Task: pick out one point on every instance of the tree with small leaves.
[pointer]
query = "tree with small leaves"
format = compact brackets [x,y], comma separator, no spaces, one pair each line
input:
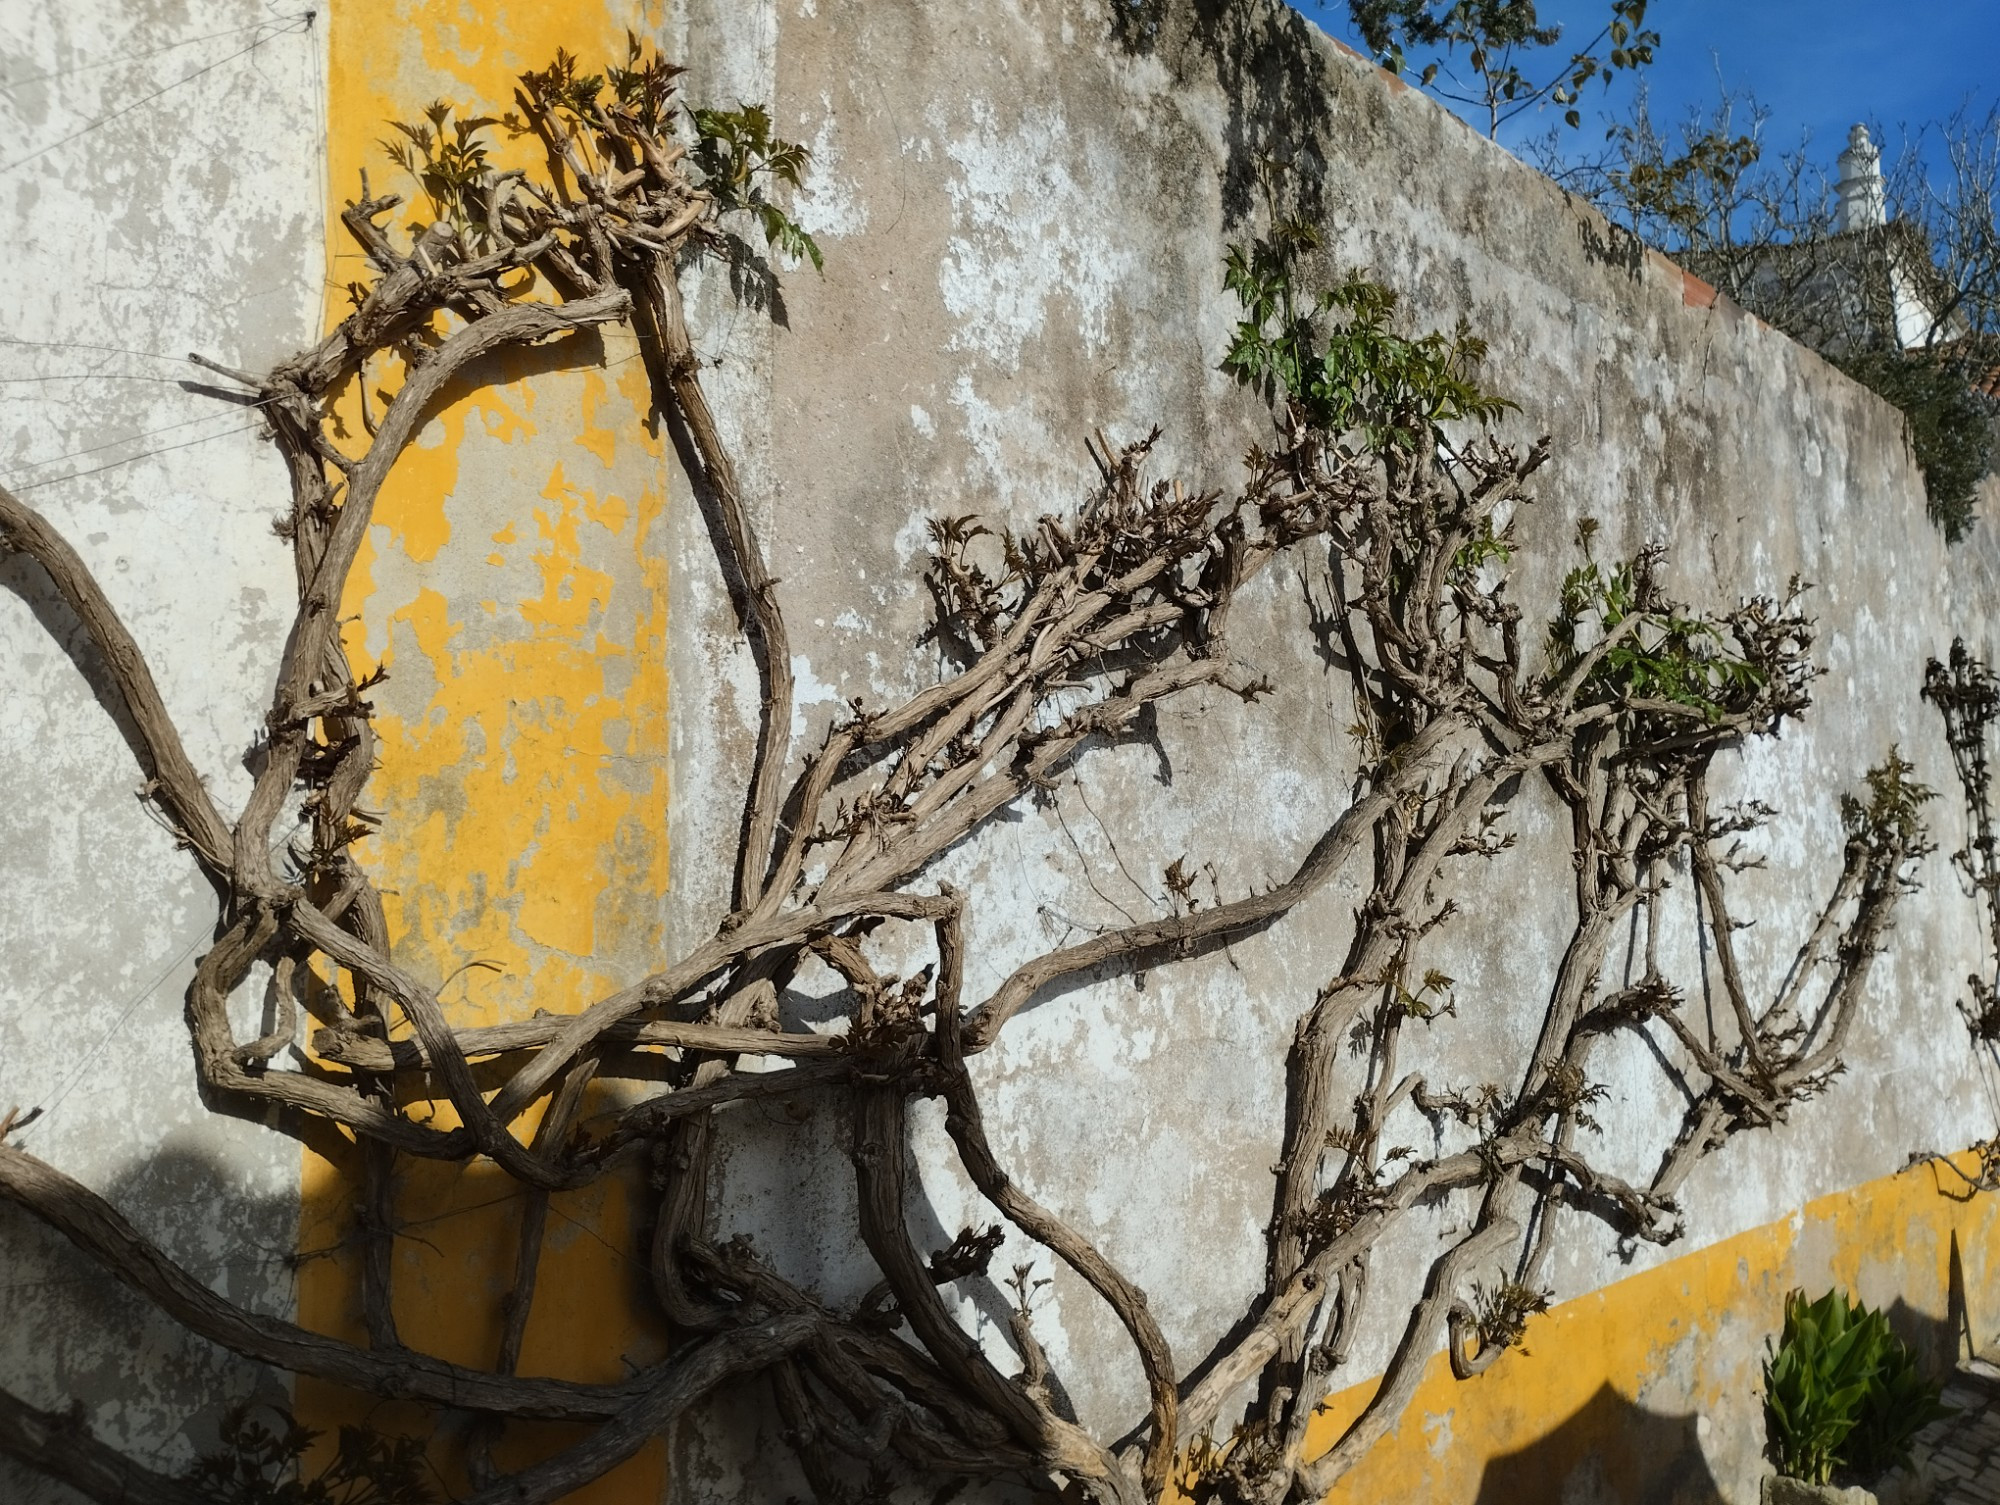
[1486,54]
[1909,308]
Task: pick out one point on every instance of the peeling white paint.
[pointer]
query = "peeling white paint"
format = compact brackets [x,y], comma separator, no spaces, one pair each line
[1029,235]
[828,203]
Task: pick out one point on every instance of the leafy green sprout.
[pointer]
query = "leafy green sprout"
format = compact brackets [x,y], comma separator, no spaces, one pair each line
[1433,997]
[643,89]
[1663,656]
[1569,1091]
[738,152]
[449,159]
[1891,817]
[1842,1390]
[735,149]
[1487,546]
[1501,1314]
[1336,356]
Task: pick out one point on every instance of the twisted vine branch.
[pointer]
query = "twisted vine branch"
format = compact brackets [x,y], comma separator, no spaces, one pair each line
[1064,636]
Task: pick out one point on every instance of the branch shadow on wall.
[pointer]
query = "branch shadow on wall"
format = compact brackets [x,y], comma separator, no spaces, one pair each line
[1265,59]
[69,1332]
[1609,1450]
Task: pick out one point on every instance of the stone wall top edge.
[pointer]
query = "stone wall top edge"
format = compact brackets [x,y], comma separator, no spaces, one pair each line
[1674,282]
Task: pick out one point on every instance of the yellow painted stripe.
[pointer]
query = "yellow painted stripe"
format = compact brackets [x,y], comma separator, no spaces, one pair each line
[513,585]
[1646,1375]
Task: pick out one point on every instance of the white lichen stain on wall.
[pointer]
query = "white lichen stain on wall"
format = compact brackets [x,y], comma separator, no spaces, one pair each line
[1026,236]
[828,204]
[808,690]
[913,541]
[1012,445]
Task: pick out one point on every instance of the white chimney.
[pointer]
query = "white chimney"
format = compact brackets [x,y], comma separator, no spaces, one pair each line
[1862,204]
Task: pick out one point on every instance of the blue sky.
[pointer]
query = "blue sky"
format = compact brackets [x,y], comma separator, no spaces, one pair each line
[1817,65]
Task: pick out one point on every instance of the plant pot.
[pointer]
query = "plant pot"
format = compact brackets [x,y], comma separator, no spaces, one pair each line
[1780,1490]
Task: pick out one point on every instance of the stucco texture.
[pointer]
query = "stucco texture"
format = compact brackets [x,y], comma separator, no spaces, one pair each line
[513,589]
[160,193]
[1024,206]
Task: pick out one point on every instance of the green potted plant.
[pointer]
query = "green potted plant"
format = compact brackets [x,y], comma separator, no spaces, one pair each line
[1843,1400]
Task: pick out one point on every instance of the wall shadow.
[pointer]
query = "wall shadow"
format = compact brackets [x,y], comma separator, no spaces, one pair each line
[72,1333]
[1609,1450]
[1266,62]
[1613,1451]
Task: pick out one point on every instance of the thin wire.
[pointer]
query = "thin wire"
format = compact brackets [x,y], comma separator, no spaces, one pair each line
[135,57]
[165,381]
[302,22]
[324,1250]
[43,1285]
[324,159]
[156,355]
[143,99]
[455,1212]
[266,1257]
[165,428]
[89,1057]
[508,1196]
[98,470]
[637,1264]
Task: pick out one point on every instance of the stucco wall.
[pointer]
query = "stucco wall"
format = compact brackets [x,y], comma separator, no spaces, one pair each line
[1024,207]
[513,589]
[160,193]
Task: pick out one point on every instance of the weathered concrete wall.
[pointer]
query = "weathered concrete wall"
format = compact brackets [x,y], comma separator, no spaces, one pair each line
[1024,205]
[160,192]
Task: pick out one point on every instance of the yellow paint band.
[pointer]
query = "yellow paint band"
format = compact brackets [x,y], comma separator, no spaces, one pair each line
[1632,1384]
[513,587]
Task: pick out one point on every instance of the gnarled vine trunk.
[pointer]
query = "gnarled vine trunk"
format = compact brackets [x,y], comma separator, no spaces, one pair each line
[1062,638]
